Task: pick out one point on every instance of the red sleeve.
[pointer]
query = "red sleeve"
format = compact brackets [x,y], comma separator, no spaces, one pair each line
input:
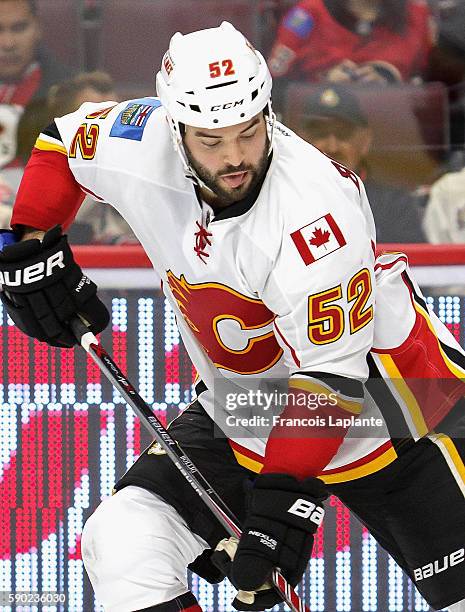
[423,24]
[310,431]
[48,194]
[411,55]
[293,33]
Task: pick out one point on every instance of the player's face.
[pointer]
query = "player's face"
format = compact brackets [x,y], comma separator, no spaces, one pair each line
[230,161]
[341,140]
[19,37]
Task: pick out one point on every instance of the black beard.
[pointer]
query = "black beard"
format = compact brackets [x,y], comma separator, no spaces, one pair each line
[225,196]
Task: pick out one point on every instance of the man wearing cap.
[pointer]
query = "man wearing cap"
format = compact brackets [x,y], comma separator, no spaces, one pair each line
[335,123]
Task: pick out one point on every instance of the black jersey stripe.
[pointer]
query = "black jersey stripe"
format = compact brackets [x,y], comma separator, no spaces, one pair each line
[452,353]
[52,131]
[349,387]
[200,387]
[391,412]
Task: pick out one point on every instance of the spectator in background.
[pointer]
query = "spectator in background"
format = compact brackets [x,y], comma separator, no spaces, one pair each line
[444,219]
[448,64]
[362,41]
[57,101]
[335,124]
[26,70]
[96,222]
[61,99]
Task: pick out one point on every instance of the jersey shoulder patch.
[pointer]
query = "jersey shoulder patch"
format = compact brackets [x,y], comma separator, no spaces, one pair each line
[132,120]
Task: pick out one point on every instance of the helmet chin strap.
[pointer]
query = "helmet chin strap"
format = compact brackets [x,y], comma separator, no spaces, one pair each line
[270,118]
[178,144]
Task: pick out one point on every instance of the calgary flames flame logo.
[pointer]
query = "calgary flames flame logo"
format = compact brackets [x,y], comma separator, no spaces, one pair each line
[206,306]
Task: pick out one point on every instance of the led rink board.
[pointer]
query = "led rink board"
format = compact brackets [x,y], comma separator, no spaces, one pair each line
[66,435]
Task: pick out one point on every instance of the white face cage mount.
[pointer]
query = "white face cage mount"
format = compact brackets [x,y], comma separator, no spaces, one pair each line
[210,79]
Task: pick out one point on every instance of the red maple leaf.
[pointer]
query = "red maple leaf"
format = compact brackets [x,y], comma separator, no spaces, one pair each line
[320,237]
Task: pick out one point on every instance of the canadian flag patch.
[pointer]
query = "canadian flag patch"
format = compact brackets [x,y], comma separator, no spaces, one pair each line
[318,239]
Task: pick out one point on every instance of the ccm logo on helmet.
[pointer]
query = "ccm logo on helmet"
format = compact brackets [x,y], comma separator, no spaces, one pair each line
[33,273]
[440,565]
[218,107]
[307,510]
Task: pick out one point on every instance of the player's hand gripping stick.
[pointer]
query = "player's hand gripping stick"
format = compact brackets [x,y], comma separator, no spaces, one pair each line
[200,485]
[283,515]
[43,288]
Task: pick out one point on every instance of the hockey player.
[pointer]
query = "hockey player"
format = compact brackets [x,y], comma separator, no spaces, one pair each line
[266,251]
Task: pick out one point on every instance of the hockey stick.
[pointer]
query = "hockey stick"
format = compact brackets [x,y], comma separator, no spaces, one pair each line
[200,485]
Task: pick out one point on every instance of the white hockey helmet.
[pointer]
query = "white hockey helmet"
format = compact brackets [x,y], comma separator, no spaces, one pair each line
[212,78]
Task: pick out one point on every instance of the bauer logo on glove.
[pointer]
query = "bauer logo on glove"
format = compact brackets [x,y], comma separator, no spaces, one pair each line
[34,273]
[43,288]
[308,510]
[283,516]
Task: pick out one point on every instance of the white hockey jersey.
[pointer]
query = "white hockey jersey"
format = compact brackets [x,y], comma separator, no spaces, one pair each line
[278,286]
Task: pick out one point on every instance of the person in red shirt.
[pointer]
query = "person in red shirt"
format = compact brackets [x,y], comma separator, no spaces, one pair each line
[26,70]
[365,41]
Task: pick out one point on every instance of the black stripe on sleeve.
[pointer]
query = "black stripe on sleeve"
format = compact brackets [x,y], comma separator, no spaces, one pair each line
[52,131]
[350,387]
[451,352]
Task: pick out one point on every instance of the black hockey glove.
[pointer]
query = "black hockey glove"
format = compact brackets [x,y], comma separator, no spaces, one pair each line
[43,288]
[282,519]
[203,567]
